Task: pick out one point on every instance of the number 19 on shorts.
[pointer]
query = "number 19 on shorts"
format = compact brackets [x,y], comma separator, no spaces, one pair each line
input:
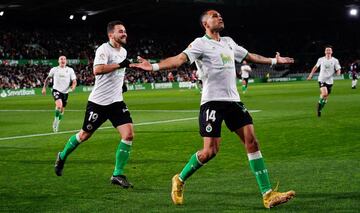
[93,116]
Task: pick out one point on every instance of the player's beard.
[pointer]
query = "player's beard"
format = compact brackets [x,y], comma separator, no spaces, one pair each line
[121,40]
[221,27]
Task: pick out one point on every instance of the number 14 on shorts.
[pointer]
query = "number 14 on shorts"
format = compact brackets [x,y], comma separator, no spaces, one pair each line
[210,115]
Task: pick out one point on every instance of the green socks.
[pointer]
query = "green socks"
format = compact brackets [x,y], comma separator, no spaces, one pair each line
[70,146]
[189,169]
[322,103]
[61,116]
[122,156]
[244,88]
[57,113]
[257,166]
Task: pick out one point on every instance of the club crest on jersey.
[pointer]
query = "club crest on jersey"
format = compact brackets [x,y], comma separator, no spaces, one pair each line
[208,128]
[102,56]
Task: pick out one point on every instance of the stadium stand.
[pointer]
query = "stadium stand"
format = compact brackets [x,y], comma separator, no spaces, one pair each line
[43,44]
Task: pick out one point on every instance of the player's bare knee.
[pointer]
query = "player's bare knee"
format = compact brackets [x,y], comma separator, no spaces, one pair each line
[207,154]
[128,136]
[83,136]
[58,105]
[252,144]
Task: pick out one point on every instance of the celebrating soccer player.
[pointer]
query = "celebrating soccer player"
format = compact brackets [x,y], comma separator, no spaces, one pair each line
[62,76]
[215,56]
[106,102]
[328,65]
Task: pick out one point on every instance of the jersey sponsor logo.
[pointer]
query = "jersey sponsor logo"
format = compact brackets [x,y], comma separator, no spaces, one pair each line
[226,59]
[125,110]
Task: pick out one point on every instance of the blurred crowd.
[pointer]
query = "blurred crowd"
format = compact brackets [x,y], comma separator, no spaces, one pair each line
[80,44]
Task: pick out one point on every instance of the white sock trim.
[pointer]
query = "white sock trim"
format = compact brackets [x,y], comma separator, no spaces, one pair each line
[78,137]
[267,192]
[254,155]
[197,158]
[126,142]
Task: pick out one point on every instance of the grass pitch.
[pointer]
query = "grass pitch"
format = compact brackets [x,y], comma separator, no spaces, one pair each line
[319,158]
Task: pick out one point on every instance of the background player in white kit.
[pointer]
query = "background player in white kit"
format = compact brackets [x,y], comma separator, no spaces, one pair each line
[354,69]
[245,74]
[62,76]
[328,65]
[215,56]
[106,102]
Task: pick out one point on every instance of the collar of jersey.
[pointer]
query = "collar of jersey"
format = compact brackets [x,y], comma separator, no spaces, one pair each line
[208,37]
[112,45]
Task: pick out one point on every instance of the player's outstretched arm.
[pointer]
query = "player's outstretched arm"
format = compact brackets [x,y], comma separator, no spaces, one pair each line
[168,63]
[312,72]
[73,85]
[338,72]
[264,60]
[106,68]
[46,82]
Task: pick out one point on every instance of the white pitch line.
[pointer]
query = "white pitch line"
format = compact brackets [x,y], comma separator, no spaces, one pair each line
[107,127]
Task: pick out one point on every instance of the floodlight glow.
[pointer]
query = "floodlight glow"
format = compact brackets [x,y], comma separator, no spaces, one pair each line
[1,13]
[71,17]
[83,17]
[353,12]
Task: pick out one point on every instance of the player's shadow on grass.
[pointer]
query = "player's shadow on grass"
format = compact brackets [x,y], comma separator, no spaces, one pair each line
[227,200]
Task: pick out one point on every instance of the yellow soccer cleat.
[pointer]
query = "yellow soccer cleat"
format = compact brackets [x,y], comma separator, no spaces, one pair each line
[177,190]
[275,198]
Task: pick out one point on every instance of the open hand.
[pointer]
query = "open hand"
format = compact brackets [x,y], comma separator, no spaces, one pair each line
[143,64]
[283,60]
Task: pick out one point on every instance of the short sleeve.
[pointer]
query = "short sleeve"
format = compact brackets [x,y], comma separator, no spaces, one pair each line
[72,76]
[337,65]
[194,50]
[318,63]
[51,73]
[100,56]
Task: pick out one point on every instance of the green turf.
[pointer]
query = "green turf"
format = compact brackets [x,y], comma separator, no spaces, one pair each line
[318,158]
